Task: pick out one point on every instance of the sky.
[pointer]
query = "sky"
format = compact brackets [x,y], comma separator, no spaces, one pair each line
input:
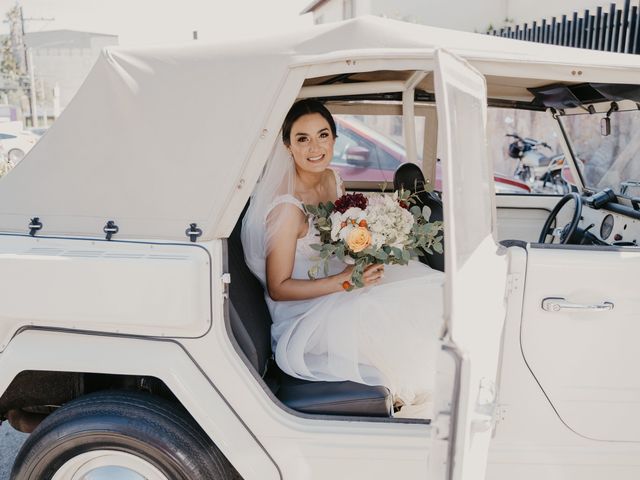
[153,22]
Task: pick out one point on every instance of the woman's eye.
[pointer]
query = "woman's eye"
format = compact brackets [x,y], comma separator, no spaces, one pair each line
[302,139]
[324,135]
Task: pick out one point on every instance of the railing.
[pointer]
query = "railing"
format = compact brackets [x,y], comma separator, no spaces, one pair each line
[614,31]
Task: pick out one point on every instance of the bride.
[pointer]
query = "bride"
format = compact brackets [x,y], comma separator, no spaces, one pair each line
[383,334]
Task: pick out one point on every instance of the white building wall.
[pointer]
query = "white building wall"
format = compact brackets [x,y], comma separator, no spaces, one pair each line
[65,67]
[65,59]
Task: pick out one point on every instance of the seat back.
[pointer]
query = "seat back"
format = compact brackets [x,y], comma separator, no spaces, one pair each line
[410,177]
[248,312]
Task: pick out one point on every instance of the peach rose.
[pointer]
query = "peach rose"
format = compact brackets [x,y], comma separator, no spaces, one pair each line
[358,239]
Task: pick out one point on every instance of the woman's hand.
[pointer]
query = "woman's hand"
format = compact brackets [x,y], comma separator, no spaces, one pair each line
[373,274]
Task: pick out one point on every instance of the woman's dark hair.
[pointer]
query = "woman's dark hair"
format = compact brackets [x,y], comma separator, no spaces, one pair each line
[302,108]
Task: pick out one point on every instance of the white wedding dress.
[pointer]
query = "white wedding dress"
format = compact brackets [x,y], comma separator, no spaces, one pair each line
[385,334]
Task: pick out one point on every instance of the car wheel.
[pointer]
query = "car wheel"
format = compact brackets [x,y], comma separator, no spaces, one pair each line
[15,155]
[123,435]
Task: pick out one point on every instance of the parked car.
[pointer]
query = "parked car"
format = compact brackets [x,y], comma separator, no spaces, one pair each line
[134,339]
[363,154]
[17,144]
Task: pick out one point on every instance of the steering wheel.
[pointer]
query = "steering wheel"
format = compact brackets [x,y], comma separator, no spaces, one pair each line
[565,233]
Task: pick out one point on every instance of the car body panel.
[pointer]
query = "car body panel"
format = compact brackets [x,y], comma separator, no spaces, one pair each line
[585,359]
[104,286]
[163,359]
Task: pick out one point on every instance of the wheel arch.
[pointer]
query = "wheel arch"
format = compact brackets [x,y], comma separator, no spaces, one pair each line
[162,359]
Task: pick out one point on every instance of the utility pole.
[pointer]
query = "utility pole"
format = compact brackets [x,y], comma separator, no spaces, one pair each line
[33,104]
[24,56]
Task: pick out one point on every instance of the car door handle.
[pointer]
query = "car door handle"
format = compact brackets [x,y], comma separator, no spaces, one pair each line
[555,304]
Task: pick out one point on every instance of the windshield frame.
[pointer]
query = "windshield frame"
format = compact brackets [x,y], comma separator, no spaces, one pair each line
[598,110]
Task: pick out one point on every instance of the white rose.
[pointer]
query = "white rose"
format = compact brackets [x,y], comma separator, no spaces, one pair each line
[344,232]
[336,225]
[353,213]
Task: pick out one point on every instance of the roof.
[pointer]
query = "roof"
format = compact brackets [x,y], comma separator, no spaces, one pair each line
[158,138]
[64,39]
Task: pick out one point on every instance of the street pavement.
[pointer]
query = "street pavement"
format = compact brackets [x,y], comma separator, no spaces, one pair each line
[10,443]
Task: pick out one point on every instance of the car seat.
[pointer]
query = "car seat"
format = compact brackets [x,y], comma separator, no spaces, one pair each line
[409,176]
[250,323]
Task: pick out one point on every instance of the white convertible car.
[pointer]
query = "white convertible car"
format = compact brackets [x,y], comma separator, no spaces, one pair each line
[134,342]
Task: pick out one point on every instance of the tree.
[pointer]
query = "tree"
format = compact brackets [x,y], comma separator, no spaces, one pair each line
[12,64]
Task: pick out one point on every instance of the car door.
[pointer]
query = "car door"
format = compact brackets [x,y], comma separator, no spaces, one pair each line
[475,266]
[580,334]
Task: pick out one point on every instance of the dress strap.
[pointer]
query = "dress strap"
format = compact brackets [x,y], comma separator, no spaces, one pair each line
[339,183]
[287,198]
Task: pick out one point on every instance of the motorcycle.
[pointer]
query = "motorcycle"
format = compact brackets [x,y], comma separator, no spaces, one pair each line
[543,173]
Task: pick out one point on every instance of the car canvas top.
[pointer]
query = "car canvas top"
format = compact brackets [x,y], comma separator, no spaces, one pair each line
[102,160]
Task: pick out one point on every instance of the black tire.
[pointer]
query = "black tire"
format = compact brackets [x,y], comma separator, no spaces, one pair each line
[146,426]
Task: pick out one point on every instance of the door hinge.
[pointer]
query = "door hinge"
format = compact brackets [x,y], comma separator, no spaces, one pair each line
[226,281]
[513,284]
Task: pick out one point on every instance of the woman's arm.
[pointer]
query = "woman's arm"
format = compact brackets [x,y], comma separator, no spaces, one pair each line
[287,223]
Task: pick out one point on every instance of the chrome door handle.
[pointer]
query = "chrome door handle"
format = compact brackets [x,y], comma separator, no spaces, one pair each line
[555,304]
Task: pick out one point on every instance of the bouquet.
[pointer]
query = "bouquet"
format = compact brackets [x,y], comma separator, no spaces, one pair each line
[374,228]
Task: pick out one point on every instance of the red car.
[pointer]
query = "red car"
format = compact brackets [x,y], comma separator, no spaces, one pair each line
[363,154]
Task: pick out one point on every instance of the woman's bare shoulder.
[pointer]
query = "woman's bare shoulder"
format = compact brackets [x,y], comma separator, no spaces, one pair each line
[287,217]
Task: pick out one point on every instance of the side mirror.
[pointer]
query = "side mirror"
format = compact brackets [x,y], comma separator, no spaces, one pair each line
[605,123]
[357,156]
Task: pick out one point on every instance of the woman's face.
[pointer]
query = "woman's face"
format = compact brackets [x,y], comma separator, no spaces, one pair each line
[311,143]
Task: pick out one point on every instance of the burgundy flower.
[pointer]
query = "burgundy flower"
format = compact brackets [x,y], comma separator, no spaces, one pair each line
[349,200]
[403,204]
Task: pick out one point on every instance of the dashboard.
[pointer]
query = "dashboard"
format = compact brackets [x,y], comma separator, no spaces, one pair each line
[613,223]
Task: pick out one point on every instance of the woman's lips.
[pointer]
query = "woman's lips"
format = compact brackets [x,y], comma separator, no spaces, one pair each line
[316,158]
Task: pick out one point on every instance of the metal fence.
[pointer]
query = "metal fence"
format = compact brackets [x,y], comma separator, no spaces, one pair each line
[615,30]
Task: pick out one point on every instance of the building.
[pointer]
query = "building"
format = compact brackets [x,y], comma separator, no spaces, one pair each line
[62,59]
[467,15]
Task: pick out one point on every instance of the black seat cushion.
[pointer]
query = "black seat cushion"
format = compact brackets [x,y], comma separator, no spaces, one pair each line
[334,398]
[251,327]
[410,177]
